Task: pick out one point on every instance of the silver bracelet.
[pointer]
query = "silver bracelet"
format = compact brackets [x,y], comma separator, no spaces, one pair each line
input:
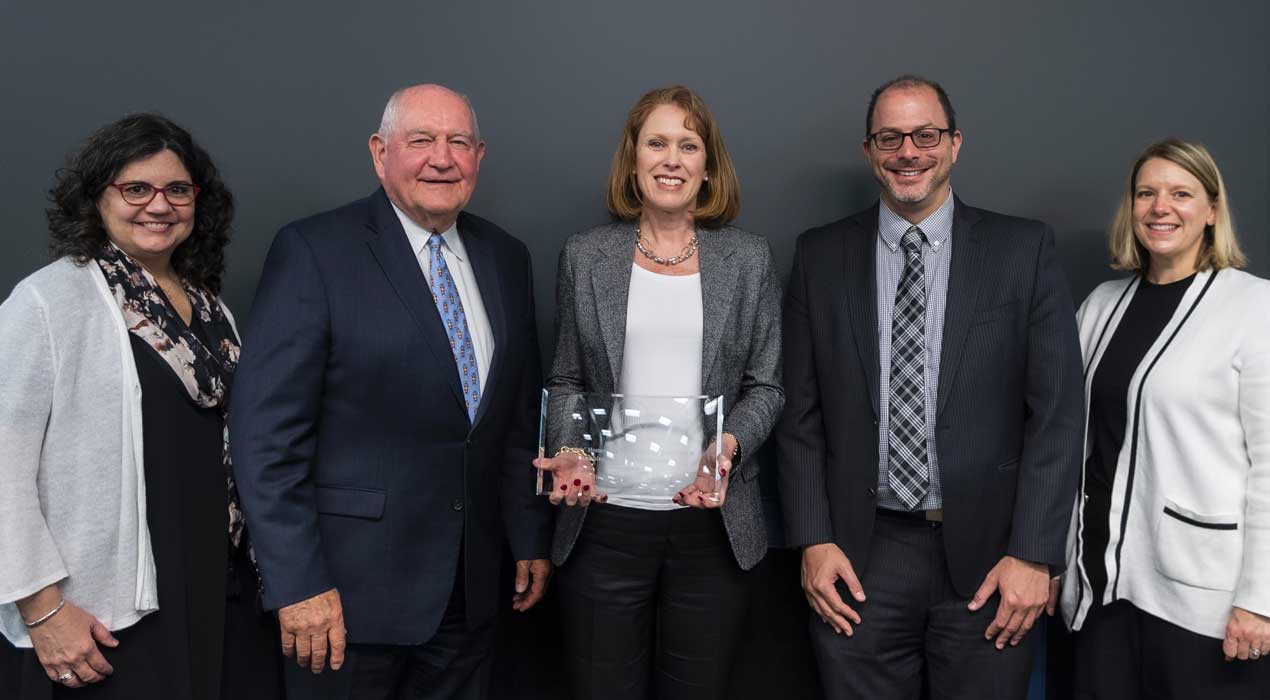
[45,617]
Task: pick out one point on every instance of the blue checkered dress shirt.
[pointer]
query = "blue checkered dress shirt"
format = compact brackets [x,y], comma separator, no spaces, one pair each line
[936,259]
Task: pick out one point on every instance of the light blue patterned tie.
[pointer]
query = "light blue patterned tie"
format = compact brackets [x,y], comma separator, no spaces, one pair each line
[450,307]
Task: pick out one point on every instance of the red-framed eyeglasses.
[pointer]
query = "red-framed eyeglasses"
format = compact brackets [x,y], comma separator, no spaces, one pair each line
[178,194]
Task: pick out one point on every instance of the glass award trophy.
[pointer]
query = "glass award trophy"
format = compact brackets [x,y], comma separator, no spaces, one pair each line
[645,449]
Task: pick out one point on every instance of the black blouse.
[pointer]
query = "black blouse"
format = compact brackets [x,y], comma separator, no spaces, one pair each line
[1148,313]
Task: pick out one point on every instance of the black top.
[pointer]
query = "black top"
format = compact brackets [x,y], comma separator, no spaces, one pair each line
[187,510]
[1149,312]
[208,639]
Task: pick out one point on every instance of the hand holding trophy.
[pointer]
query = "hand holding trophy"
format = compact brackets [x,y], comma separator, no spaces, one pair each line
[572,477]
[710,488]
[636,451]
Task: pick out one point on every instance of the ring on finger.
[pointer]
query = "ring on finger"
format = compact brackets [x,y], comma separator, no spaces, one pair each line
[66,677]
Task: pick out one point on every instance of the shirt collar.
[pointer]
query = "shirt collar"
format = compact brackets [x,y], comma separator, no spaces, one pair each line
[937,226]
[418,236]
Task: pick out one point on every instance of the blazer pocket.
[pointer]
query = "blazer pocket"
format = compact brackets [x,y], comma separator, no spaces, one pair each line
[1204,551]
[1010,465]
[350,501]
[997,313]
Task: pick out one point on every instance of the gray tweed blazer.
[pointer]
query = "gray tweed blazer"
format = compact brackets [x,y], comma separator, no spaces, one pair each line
[740,353]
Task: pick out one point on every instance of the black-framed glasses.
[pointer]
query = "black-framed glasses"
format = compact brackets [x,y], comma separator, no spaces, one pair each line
[890,140]
[178,194]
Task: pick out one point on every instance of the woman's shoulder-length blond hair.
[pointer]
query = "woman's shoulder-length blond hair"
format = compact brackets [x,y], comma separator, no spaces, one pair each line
[718,201]
[1219,248]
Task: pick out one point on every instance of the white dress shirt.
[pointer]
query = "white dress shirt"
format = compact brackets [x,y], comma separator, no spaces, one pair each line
[460,264]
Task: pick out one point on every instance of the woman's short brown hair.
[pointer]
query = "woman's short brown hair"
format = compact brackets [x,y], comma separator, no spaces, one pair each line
[1219,248]
[718,201]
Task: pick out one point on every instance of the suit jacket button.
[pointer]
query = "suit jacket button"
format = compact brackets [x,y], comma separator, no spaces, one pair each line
[457,504]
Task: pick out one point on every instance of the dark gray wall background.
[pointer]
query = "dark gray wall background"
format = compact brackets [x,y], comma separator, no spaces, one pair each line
[1054,100]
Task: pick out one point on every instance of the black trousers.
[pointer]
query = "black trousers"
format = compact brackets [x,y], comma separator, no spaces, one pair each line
[914,628]
[1123,652]
[452,665]
[652,603]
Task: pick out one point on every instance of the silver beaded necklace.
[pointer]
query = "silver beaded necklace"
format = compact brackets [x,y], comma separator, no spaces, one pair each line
[686,253]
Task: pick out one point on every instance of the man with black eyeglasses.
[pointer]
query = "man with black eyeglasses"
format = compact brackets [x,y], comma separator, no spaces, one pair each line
[931,439]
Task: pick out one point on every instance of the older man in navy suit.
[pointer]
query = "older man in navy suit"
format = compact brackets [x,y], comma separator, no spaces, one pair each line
[384,419]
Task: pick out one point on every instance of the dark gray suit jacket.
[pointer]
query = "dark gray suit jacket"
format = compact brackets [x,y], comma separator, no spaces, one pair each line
[741,342]
[1009,417]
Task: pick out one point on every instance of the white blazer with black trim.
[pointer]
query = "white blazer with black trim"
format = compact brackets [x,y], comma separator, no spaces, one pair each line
[1190,504]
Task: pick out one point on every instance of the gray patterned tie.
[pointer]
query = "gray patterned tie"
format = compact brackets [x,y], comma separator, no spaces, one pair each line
[907,472]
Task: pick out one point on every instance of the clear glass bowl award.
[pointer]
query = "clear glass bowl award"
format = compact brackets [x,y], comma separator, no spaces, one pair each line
[644,449]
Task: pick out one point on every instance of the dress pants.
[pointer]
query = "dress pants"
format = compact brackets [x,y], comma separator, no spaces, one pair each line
[916,629]
[1123,652]
[652,603]
[453,665]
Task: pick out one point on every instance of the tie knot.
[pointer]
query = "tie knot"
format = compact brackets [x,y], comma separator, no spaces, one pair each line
[912,240]
[435,240]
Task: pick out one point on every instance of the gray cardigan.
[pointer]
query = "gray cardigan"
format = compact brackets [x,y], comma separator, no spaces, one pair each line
[72,490]
[740,353]
[72,479]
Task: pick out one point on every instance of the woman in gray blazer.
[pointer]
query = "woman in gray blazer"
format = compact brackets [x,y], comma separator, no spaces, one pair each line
[668,301]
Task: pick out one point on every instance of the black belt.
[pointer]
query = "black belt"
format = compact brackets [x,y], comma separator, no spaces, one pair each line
[921,516]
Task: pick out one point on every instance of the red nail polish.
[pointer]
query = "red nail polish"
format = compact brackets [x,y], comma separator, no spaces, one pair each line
[564,487]
[723,472]
[577,482]
[586,488]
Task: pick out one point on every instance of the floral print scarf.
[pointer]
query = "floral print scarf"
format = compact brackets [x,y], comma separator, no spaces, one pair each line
[206,371]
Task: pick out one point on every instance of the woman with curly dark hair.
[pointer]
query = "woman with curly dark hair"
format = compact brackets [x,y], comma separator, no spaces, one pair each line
[128,571]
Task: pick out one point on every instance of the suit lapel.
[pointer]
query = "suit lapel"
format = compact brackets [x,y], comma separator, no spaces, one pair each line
[392,251]
[860,306]
[484,262]
[718,287]
[964,280]
[610,285]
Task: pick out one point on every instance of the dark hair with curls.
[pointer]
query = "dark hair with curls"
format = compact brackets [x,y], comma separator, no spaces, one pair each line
[75,226]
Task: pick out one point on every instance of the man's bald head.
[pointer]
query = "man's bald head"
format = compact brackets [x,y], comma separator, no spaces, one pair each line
[388,122]
[427,154]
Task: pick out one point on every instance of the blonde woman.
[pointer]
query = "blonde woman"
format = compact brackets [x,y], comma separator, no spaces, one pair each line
[1168,567]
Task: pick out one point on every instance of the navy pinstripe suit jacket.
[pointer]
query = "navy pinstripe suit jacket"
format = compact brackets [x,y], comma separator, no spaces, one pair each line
[1009,415]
